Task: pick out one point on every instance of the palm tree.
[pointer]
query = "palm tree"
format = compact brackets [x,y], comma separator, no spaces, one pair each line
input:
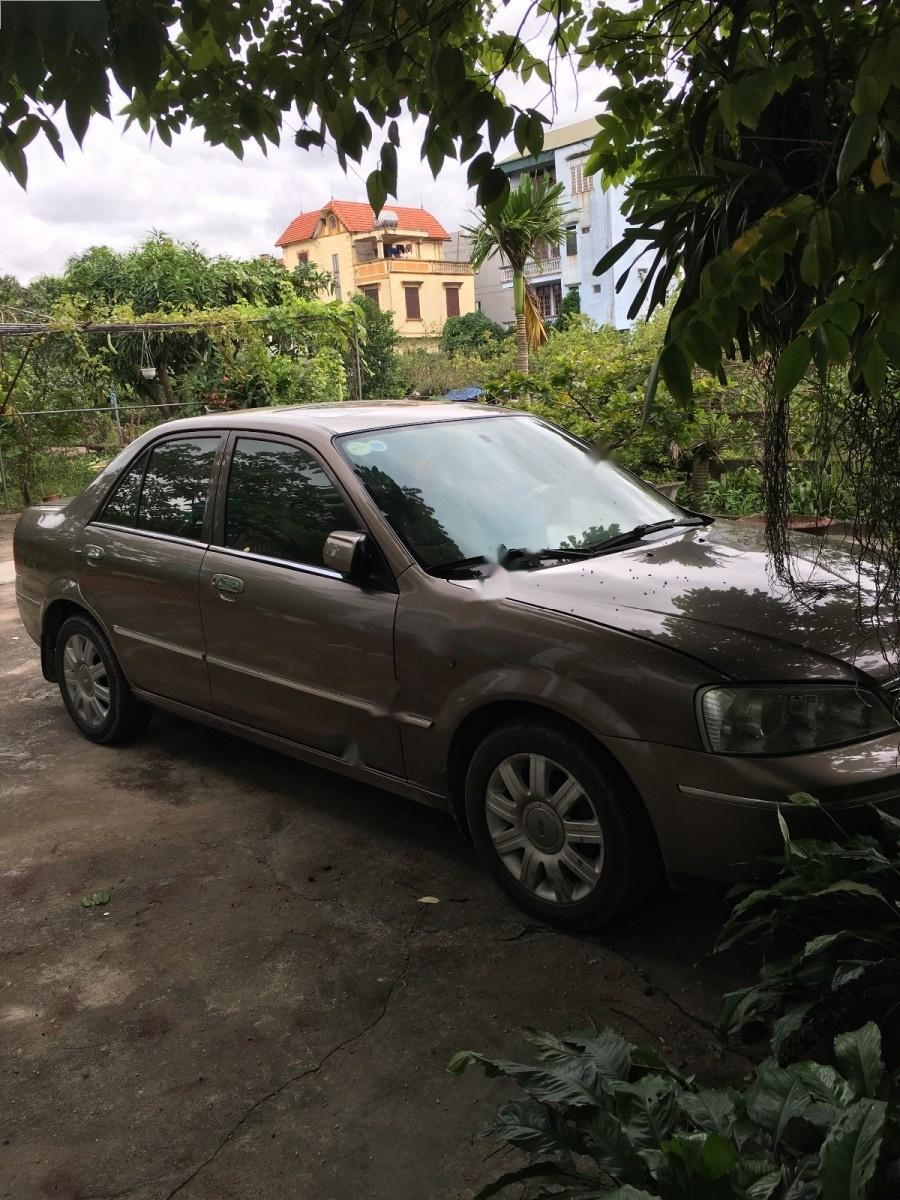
[532,215]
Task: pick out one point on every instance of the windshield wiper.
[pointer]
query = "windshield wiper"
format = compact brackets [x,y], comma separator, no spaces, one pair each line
[639,531]
[457,564]
[515,553]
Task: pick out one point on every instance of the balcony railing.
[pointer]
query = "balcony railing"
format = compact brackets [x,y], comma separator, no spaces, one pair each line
[377,268]
[541,266]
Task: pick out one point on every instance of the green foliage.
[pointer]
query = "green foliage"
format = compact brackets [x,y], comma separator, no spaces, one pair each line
[591,381]
[767,177]
[243,334]
[570,309]
[472,333]
[236,70]
[603,1118]
[833,914]
[379,340]
[427,373]
[532,215]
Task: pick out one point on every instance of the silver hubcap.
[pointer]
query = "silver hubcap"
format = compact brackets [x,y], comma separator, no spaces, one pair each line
[86,680]
[545,828]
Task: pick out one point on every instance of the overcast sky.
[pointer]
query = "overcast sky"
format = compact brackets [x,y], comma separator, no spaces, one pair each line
[121,185]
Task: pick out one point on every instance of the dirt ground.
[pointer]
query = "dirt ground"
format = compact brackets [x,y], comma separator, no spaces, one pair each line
[264,1010]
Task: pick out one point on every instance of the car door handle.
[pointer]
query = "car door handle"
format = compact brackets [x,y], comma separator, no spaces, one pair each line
[227,585]
[93,554]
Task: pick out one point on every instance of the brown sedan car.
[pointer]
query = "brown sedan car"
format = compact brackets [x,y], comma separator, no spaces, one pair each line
[466,606]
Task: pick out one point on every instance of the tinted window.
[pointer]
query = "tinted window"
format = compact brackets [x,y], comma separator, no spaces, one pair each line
[176,485]
[121,507]
[479,486]
[280,503]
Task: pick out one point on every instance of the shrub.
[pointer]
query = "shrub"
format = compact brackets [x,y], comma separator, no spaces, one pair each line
[427,373]
[607,1119]
[380,340]
[833,914]
[473,333]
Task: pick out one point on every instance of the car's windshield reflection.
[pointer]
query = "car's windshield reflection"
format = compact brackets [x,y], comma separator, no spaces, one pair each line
[511,491]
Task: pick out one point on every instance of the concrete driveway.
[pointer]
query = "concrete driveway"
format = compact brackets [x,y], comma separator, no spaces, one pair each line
[264,1009]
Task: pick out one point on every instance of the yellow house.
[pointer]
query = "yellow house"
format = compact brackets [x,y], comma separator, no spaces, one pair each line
[396,259]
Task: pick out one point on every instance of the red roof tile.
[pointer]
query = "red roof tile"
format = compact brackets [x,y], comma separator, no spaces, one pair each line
[359,218]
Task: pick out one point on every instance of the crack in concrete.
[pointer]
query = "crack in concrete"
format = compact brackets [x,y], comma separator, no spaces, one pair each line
[710,1027]
[399,978]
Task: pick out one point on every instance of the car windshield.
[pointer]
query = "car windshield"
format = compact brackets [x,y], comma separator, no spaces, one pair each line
[478,488]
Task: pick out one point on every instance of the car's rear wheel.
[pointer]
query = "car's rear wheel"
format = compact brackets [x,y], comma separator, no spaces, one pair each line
[94,690]
[562,832]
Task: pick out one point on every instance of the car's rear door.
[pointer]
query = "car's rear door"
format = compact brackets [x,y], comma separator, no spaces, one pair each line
[141,565]
[294,648]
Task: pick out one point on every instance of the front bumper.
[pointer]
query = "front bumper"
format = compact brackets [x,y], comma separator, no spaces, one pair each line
[715,815]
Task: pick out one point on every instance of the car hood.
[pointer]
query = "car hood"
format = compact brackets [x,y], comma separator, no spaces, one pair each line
[712,593]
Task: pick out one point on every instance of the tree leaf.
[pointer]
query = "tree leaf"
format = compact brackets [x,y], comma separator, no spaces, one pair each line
[676,372]
[856,146]
[376,191]
[775,1097]
[792,363]
[850,1153]
[858,1055]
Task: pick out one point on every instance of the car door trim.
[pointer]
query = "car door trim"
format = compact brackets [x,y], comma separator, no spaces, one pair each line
[161,643]
[148,533]
[322,693]
[403,718]
[308,568]
[392,783]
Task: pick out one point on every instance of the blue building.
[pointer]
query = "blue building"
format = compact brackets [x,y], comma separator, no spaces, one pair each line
[595,223]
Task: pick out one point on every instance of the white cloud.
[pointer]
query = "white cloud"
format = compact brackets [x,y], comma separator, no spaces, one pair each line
[122,184]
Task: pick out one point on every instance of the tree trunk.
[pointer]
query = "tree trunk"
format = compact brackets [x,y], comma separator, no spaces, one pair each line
[521,335]
[166,382]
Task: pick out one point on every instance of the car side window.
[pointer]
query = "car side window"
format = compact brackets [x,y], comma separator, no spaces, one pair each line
[280,503]
[121,507]
[176,485]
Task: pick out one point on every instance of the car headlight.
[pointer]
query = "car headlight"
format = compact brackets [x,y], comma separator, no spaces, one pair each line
[789,719]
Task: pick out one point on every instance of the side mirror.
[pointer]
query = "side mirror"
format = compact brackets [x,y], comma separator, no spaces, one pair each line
[347,552]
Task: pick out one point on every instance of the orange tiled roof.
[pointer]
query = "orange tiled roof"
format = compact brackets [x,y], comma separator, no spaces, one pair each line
[359,218]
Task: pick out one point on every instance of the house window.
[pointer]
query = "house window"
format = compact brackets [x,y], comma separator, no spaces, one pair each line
[332,224]
[452,301]
[411,296]
[336,274]
[303,256]
[371,293]
[580,182]
[549,299]
[571,240]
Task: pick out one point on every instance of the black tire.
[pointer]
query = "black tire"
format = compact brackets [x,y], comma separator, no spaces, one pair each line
[124,715]
[625,865]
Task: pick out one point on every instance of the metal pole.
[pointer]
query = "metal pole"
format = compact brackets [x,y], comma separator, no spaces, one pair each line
[359,394]
[3,482]
[115,407]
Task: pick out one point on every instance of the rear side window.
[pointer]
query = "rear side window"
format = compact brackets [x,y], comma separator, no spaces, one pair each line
[280,503]
[121,507]
[176,487]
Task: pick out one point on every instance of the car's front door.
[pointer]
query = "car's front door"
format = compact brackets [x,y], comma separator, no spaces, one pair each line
[294,648]
[141,564]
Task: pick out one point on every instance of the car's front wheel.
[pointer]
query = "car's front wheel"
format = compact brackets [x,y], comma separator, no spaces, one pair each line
[566,836]
[94,690]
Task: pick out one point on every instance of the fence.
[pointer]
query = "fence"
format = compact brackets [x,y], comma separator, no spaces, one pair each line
[85,437]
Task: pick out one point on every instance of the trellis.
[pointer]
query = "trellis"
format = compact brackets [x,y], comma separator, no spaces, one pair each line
[47,328]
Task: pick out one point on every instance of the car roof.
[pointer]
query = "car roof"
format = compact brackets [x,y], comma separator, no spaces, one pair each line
[350,416]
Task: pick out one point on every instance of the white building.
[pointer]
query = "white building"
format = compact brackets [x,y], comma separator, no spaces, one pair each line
[595,224]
